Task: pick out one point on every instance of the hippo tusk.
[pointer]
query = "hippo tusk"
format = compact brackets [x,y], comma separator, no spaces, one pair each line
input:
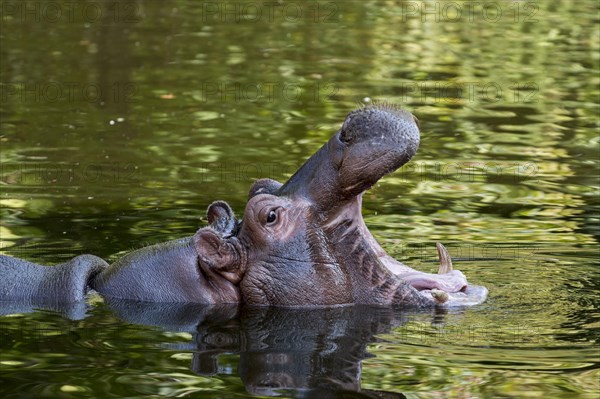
[439,295]
[445,259]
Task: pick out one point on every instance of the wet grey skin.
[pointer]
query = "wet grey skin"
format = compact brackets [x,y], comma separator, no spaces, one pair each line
[301,244]
[173,271]
[305,243]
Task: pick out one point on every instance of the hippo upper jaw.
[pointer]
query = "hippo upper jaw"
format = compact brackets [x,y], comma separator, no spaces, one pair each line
[372,142]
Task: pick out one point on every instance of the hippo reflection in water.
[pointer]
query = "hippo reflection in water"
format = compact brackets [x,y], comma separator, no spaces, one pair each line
[303,243]
[291,352]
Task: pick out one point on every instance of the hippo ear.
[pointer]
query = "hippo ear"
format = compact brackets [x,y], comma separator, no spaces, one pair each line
[221,218]
[217,254]
[264,186]
[219,210]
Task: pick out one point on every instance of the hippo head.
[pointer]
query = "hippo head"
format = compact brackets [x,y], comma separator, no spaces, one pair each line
[304,243]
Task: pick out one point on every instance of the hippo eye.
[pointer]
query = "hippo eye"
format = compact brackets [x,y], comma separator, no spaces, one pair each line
[271,217]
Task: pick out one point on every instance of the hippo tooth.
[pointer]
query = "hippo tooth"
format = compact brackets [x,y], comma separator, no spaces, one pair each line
[439,295]
[445,259]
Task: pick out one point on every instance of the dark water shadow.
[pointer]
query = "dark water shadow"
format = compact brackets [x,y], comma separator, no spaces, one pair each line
[304,353]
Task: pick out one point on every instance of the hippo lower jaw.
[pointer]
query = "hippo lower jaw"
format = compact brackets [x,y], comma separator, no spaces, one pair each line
[448,286]
[447,279]
[470,296]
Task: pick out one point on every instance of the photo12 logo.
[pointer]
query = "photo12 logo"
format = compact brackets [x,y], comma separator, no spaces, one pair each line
[233,92]
[468,171]
[245,172]
[465,252]
[470,11]
[52,92]
[469,92]
[68,173]
[269,11]
[70,11]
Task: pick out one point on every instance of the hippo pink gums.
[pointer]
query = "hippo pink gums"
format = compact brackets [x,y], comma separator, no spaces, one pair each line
[302,243]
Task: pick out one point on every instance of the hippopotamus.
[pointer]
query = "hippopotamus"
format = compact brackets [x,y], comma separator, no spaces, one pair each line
[301,244]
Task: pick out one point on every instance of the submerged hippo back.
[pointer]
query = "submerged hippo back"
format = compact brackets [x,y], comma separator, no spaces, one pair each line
[166,272]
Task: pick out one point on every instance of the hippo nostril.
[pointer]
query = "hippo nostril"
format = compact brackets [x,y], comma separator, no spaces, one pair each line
[345,136]
[346,132]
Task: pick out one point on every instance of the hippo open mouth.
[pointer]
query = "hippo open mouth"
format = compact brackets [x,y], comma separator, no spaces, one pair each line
[306,243]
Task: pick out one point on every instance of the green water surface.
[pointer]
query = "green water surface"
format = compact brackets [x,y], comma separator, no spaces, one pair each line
[121,122]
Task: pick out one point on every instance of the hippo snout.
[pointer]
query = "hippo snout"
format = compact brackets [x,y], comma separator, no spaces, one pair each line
[372,142]
[382,125]
[380,131]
